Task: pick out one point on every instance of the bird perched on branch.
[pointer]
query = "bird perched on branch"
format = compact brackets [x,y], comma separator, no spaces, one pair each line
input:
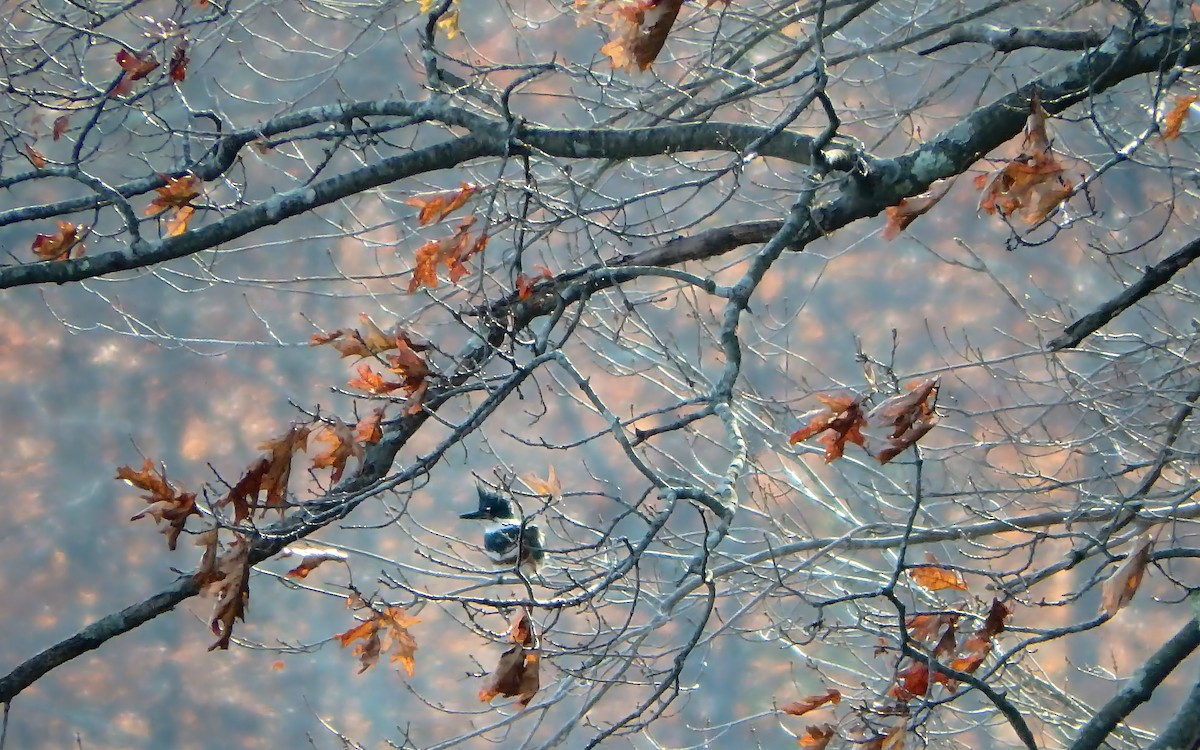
[507,538]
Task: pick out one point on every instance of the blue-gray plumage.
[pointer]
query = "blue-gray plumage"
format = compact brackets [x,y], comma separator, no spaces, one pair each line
[505,539]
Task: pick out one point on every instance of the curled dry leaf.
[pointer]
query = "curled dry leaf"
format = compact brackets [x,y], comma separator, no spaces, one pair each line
[136,66]
[61,123]
[231,587]
[179,61]
[640,29]
[342,446]
[269,474]
[385,630]
[167,504]
[516,676]
[369,429]
[61,245]
[1032,182]
[550,486]
[804,705]
[934,577]
[437,206]
[842,420]
[452,251]
[177,193]
[908,210]
[525,284]
[909,416]
[817,738]
[35,157]
[1120,588]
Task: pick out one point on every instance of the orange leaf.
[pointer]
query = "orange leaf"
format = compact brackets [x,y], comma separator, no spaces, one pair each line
[438,206]
[269,474]
[60,246]
[340,438]
[35,157]
[178,223]
[935,577]
[372,382]
[925,627]
[1174,119]
[135,66]
[817,738]
[1120,588]
[425,272]
[803,706]
[386,630]
[369,429]
[177,193]
[550,486]
[907,210]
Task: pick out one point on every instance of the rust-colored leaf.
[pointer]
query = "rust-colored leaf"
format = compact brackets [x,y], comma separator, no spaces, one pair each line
[517,673]
[804,705]
[994,623]
[1121,587]
[550,486]
[310,558]
[908,210]
[1173,121]
[35,157]
[178,222]
[269,474]
[369,429]
[179,61]
[61,123]
[177,193]
[372,382]
[168,505]
[342,446]
[63,244]
[136,67]
[910,416]
[924,628]
[437,206]
[841,420]
[385,630]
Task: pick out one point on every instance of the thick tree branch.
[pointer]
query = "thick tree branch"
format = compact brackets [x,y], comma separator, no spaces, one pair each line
[1014,38]
[1154,277]
[1139,688]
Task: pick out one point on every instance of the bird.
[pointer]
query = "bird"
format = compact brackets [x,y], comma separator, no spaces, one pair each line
[507,538]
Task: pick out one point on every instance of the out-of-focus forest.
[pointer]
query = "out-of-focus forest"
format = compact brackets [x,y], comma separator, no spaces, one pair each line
[843,355]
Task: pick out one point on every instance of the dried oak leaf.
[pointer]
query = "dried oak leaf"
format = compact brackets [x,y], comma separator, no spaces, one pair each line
[640,30]
[369,429]
[924,628]
[437,206]
[452,251]
[177,193]
[893,740]
[178,222]
[1033,181]
[934,577]
[516,675]
[232,590]
[993,624]
[914,680]
[842,420]
[311,558]
[910,416]
[166,503]
[908,210]
[343,445]
[269,474]
[61,245]
[61,123]
[804,705]
[1173,121]
[549,487]
[385,630]
[1120,588]
[525,284]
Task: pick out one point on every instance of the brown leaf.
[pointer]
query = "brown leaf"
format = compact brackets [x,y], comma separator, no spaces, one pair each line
[61,123]
[167,504]
[369,429]
[994,623]
[1173,121]
[908,210]
[924,628]
[437,206]
[135,66]
[35,157]
[1120,588]
[550,486]
[385,630]
[910,416]
[269,474]
[804,705]
[61,245]
[179,61]
[232,590]
[516,676]
[178,223]
[640,30]
[177,193]
[340,437]
[842,420]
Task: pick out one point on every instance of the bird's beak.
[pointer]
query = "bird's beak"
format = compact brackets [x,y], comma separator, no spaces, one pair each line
[474,515]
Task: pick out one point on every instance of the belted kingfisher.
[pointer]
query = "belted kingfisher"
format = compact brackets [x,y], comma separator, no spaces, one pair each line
[504,540]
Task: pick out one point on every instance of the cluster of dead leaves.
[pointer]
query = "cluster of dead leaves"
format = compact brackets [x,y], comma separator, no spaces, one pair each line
[454,251]
[904,418]
[397,349]
[167,504]
[178,193]
[385,629]
[66,243]
[818,737]
[225,577]
[940,629]
[516,676]
[136,66]
[639,28]
[1032,183]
